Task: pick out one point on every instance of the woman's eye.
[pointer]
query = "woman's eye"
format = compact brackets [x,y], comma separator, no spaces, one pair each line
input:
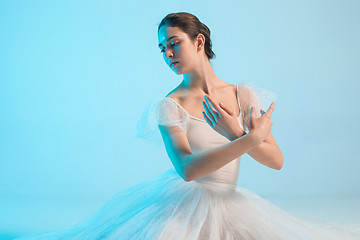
[171,45]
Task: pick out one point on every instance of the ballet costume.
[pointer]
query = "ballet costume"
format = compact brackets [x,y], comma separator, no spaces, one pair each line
[212,207]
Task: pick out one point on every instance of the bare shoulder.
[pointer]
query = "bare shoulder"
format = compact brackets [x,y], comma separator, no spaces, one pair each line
[227,90]
[177,94]
[225,87]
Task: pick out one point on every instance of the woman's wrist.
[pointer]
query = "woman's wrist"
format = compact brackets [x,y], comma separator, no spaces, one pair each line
[236,136]
[253,138]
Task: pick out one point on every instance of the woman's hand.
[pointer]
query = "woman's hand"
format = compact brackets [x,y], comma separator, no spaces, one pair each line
[221,119]
[260,127]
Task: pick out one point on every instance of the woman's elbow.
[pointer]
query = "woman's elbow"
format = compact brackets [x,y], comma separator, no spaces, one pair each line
[187,176]
[280,163]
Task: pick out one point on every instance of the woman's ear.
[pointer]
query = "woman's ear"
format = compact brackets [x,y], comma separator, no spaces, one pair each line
[200,41]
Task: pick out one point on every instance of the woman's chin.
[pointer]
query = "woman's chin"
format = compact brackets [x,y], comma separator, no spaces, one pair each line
[177,71]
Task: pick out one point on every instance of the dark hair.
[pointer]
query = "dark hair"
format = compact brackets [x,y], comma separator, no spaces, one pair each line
[191,25]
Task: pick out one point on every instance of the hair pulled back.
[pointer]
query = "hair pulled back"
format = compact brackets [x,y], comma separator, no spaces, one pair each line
[191,25]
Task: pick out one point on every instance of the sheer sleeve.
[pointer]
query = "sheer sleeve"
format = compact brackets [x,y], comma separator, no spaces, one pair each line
[161,111]
[250,95]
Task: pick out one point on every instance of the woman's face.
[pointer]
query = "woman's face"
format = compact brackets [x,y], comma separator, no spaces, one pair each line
[176,46]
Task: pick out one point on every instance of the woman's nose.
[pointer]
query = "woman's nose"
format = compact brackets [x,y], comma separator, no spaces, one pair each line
[169,53]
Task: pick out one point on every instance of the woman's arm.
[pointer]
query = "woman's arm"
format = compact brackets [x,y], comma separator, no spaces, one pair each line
[191,165]
[267,153]
[262,147]
[202,163]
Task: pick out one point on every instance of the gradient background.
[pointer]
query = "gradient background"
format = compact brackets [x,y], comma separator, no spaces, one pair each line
[77,75]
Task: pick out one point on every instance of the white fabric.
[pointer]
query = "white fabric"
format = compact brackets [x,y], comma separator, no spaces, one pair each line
[161,111]
[251,95]
[212,207]
[165,111]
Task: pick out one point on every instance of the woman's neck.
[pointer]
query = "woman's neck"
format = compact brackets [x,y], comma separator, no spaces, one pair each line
[202,80]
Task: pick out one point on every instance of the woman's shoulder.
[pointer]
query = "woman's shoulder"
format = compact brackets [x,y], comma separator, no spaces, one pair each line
[178,94]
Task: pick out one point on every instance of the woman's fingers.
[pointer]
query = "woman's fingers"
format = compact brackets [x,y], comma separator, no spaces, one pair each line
[270,110]
[209,121]
[210,115]
[209,102]
[267,113]
[226,109]
[251,111]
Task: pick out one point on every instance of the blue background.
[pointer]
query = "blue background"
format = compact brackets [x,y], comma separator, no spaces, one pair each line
[77,75]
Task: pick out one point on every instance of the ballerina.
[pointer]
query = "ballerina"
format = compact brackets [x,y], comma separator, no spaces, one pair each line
[206,125]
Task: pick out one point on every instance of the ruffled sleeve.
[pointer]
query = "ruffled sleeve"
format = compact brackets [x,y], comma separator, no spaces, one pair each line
[250,95]
[161,111]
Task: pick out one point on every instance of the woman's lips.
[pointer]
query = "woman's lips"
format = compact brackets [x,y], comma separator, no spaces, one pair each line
[173,64]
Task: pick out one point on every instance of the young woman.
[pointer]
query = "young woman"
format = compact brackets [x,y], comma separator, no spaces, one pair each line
[206,126]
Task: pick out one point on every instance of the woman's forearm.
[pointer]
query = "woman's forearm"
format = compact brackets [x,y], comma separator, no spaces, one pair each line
[267,154]
[202,163]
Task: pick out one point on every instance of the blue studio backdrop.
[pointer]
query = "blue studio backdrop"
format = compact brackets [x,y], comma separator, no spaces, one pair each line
[77,75]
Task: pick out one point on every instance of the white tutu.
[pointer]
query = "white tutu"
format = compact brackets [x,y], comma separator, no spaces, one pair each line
[211,207]
[166,207]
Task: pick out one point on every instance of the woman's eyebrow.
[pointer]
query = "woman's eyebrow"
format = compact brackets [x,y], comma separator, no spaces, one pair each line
[167,40]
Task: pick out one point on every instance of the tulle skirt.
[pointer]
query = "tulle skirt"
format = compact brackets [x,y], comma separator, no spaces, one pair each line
[165,207]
